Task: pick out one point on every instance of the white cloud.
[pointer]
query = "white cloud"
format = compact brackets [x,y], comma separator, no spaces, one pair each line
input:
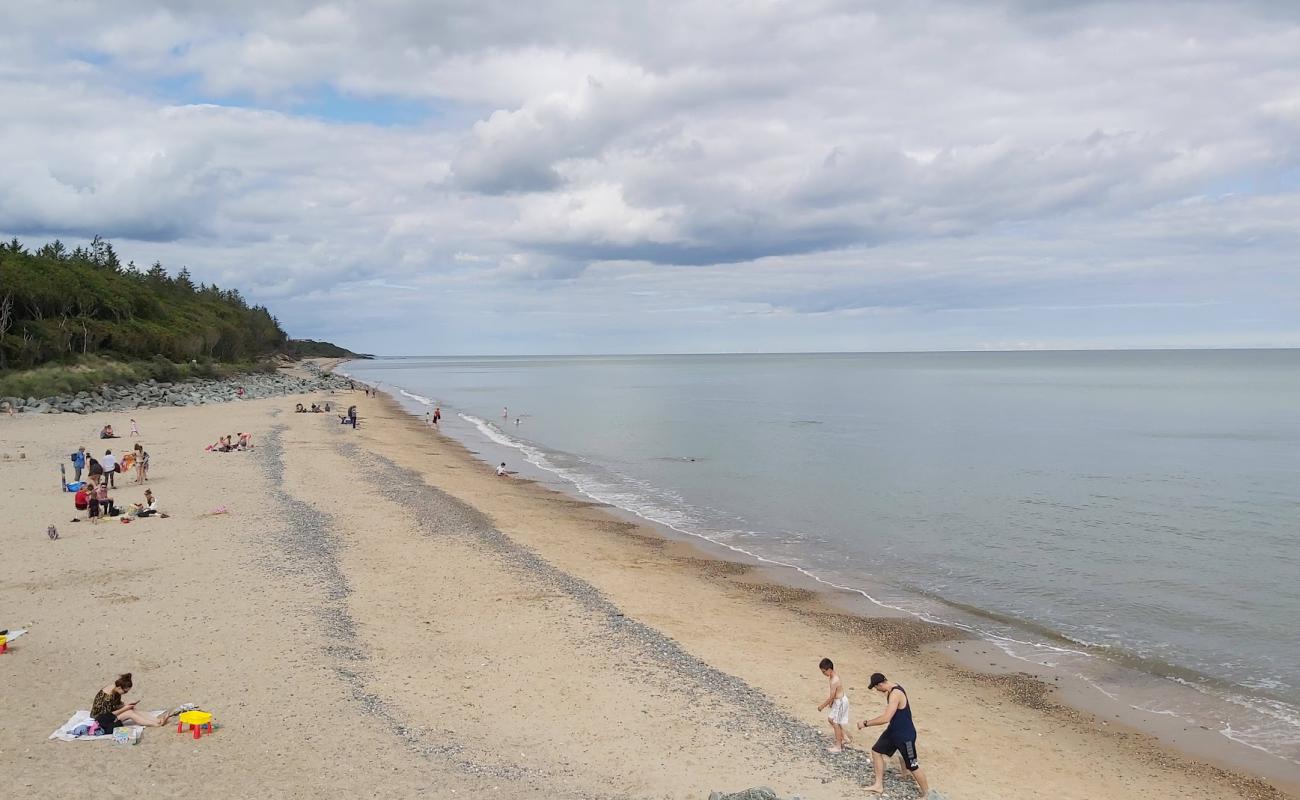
[681,160]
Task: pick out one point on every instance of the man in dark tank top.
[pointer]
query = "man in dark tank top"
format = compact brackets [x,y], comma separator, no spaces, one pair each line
[899,736]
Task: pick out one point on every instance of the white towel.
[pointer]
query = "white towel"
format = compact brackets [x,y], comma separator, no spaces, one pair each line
[82,717]
[11,635]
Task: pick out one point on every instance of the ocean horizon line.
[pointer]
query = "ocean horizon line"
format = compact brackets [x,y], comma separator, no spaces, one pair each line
[846,352]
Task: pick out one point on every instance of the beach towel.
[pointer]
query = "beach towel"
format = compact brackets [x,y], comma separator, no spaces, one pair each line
[14,634]
[81,719]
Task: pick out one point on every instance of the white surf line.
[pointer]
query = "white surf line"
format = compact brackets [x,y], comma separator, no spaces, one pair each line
[537,458]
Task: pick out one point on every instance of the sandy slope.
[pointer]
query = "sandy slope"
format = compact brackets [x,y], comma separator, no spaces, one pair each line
[379,615]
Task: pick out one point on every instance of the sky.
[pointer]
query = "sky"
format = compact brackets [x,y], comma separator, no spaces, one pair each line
[566,176]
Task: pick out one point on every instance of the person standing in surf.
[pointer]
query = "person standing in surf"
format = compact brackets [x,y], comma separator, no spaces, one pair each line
[899,736]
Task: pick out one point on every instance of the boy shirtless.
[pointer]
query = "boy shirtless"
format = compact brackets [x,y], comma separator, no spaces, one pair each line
[838,704]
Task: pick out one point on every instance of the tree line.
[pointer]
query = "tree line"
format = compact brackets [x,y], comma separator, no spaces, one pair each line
[58,304]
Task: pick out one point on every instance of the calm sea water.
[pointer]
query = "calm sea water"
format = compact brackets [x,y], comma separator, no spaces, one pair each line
[1132,508]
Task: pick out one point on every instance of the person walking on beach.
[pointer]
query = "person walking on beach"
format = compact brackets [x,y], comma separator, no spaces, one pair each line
[899,736]
[437,414]
[135,429]
[836,706]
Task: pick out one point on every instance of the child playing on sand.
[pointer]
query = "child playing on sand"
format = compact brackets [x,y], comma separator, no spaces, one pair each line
[838,704]
[135,429]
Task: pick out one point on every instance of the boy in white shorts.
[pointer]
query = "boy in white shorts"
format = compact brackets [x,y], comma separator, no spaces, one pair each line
[838,705]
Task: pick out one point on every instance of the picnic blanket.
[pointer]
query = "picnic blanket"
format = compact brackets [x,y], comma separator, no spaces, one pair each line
[77,720]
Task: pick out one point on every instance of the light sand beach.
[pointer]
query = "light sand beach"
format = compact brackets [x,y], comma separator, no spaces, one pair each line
[379,615]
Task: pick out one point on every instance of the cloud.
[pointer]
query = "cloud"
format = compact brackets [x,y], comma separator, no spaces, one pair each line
[564,168]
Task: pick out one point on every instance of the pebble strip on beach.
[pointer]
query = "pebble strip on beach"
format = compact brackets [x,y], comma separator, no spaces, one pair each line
[439,514]
[307,550]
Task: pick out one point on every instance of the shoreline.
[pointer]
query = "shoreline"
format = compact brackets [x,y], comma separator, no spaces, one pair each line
[1075,699]
[379,614]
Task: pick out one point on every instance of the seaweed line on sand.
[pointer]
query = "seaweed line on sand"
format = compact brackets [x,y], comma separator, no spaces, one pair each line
[440,514]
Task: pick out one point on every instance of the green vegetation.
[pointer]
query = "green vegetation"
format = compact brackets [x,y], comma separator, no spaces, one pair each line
[91,372]
[60,305]
[310,348]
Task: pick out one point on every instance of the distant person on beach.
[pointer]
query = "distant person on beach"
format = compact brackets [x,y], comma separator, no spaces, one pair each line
[899,736]
[149,507]
[135,429]
[109,463]
[110,710]
[78,462]
[502,472]
[437,414]
[81,500]
[106,432]
[428,418]
[836,706]
[141,464]
[505,412]
[106,508]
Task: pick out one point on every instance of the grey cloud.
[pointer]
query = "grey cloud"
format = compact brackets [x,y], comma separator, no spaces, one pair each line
[780,151]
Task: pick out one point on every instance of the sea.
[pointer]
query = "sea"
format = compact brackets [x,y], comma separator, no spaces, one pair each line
[1129,517]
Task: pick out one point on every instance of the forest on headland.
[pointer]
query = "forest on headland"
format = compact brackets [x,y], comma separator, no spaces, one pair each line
[83,307]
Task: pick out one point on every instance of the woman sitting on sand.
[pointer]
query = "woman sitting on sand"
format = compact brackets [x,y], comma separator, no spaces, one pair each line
[111,711]
[105,502]
[149,507]
[106,432]
[81,500]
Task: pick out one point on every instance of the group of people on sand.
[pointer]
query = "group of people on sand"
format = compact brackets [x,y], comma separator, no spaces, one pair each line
[231,443]
[97,503]
[106,432]
[898,738]
[92,494]
[316,408]
[107,467]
